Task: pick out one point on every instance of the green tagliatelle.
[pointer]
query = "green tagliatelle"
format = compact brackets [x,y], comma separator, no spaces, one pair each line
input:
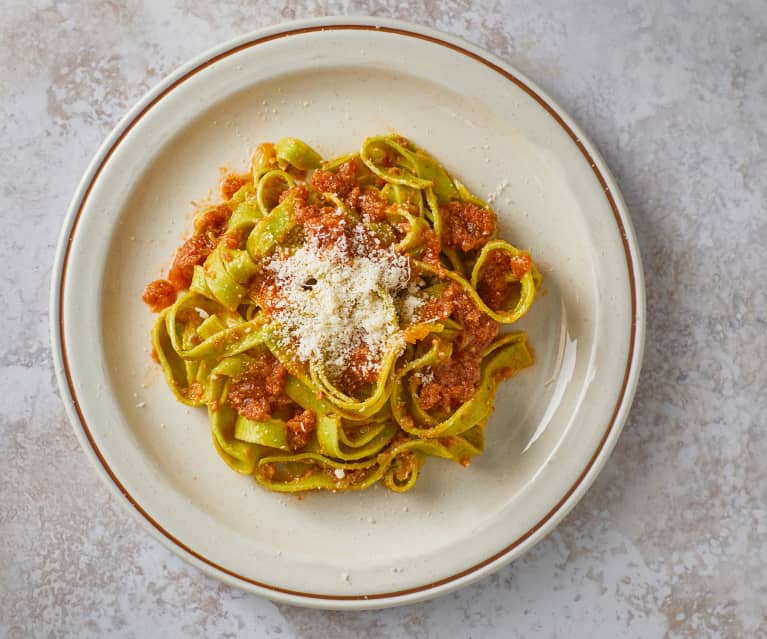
[320,431]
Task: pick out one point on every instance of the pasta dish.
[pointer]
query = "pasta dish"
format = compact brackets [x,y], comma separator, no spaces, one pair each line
[340,320]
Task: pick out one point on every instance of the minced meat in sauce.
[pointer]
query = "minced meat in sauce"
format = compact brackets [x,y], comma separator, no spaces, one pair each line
[466,226]
[191,253]
[359,372]
[492,285]
[159,295]
[213,220]
[343,183]
[260,391]
[300,429]
[323,224]
[454,382]
[233,182]
[432,247]
[340,182]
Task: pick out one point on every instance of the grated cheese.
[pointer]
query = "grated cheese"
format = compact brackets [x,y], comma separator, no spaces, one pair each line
[427,376]
[339,301]
[492,197]
[409,307]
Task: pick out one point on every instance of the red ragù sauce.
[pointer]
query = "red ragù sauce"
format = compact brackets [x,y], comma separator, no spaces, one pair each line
[259,393]
[493,286]
[466,225]
[159,295]
[454,381]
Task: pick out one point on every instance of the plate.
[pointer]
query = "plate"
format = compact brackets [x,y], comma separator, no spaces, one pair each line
[333,82]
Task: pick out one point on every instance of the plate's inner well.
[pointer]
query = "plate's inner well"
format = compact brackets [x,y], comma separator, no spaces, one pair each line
[548,419]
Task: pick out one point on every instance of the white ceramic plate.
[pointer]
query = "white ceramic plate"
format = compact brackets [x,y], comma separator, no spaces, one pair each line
[332,83]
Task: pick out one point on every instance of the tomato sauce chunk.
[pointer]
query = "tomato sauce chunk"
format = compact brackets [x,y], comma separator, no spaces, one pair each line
[191,253]
[260,391]
[340,182]
[451,383]
[323,225]
[232,183]
[213,220]
[432,247]
[466,225]
[368,202]
[493,286]
[159,295]
[360,371]
[300,429]
[521,264]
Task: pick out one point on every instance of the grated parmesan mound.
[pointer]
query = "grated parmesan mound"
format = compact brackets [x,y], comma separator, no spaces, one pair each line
[335,300]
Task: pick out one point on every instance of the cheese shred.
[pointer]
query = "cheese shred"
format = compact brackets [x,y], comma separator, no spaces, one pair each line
[337,303]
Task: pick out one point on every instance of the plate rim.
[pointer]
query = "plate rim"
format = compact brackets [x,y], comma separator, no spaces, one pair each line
[591,469]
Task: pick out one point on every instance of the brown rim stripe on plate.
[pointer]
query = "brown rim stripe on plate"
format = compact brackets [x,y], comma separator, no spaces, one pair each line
[626,248]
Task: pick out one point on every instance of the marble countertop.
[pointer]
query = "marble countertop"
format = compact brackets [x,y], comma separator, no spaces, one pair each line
[672,538]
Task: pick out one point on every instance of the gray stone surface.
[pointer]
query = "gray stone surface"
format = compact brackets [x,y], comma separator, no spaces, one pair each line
[670,541]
